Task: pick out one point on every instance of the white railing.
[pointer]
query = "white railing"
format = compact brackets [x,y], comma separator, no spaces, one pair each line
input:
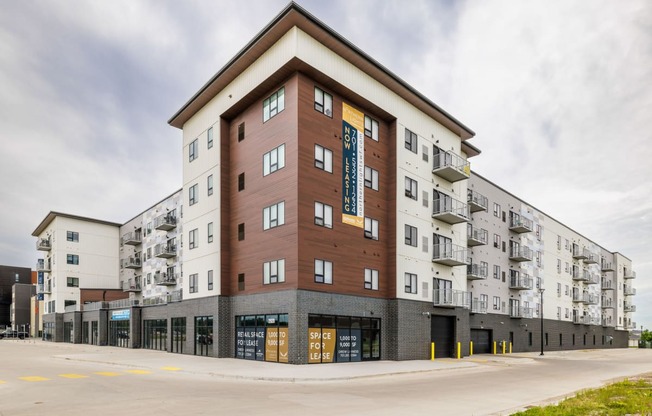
[451,298]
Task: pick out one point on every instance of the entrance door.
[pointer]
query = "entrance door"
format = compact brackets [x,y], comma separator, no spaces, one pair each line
[442,333]
[481,341]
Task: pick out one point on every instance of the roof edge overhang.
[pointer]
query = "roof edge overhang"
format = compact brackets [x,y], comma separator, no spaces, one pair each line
[53,214]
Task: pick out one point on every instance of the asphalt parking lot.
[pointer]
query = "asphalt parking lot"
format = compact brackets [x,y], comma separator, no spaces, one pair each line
[80,379]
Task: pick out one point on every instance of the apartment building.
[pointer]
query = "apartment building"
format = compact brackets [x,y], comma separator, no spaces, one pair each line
[9,276]
[329,214]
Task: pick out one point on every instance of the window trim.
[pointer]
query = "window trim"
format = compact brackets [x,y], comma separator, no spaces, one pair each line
[372,132]
[209,184]
[193,283]
[269,278]
[411,283]
[323,158]
[323,104]
[326,219]
[411,188]
[193,150]
[193,236]
[411,141]
[209,137]
[193,196]
[269,221]
[411,235]
[371,279]
[279,154]
[327,271]
[371,228]
[371,178]
[273,104]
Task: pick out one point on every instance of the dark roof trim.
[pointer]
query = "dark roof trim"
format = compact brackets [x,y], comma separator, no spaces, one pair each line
[53,214]
[292,6]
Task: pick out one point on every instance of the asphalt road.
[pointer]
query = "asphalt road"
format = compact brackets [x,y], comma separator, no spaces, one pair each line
[65,379]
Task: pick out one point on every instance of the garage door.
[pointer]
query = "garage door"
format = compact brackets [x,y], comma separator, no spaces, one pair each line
[442,333]
[481,341]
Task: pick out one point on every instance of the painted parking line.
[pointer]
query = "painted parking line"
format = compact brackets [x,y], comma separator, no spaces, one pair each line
[73,376]
[170,368]
[2,382]
[107,374]
[33,378]
[138,372]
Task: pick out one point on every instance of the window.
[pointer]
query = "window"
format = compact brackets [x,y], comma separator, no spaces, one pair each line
[497,210]
[566,291]
[538,256]
[272,161]
[411,235]
[241,281]
[323,215]
[496,241]
[371,228]
[371,178]
[72,282]
[72,236]
[323,102]
[558,242]
[410,141]
[566,268]
[193,150]
[274,216]
[192,285]
[496,303]
[209,232]
[193,242]
[241,131]
[566,314]
[558,265]
[209,135]
[241,182]
[210,280]
[209,184]
[274,272]
[538,232]
[274,104]
[323,159]
[241,231]
[371,279]
[411,188]
[410,283]
[558,312]
[323,272]
[193,195]
[72,259]
[371,128]
[496,271]
[558,289]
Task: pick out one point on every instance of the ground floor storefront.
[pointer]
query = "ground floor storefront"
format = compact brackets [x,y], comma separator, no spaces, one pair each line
[303,327]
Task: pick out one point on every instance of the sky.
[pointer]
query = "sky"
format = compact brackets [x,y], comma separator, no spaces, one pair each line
[559,93]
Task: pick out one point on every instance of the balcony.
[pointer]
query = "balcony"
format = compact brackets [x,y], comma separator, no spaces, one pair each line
[606,266]
[591,278]
[451,167]
[593,299]
[579,275]
[521,312]
[449,210]
[165,251]
[175,296]
[165,279]
[165,222]
[577,252]
[132,262]
[43,266]
[607,321]
[449,254]
[630,307]
[477,202]
[43,244]
[630,274]
[475,236]
[631,325]
[607,303]
[583,320]
[580,297]
[479,307]
[630,291]
[449,298]
[520,254]
[607,284]
[132,238]
[520,281]
[44,288]
[476,271]
[518,224]
[131,285]
[589,257]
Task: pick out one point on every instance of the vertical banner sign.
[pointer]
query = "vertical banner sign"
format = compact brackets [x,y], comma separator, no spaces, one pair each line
[352,166]
[40,282]
[282,345]
[321,348]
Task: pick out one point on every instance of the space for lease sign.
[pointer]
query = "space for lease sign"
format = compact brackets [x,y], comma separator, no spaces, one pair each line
[352,166]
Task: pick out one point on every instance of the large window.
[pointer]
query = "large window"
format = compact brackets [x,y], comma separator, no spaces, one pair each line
[411,235]
[323,215]
[155,334]
[323,271]
[274,271]
[193,150]
[370,228]
[274,104]
[323,159]
[72,236]
[72,259]
[410,283]
[411,188]
[371,128]
[344,339]
[371,178]
[410,141]
[273,161]
[193,195]
[262,337]
[72,282]
[274,216]
[193,283]
[203,335]
[323,102]
[178,334]
[371,279]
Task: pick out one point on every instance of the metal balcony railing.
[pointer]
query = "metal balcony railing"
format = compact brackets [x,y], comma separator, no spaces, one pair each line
[132,262]
[450,298]
[132,238]
[475,271]
[521,312]
[476,236]
[165,250]
[590,257]
[477,201]
[449,166]
[630,274]
[520,254]
[630,307]
[449,254]
[479,307]
[165,222]
[131,285]
[520,281]
[578,253]
[607,303]
[591,278]
[607,284]
[165,278]
[606,266]
[43,266]
[519,224]
[43,244]
[449,210]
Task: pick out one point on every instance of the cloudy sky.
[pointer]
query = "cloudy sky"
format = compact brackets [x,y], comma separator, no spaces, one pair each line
[558,92]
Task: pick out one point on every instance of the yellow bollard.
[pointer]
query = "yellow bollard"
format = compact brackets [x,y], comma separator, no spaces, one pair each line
[494,347]
[510,347]
[470,348]
[459,350]
[503,347]
[432,351]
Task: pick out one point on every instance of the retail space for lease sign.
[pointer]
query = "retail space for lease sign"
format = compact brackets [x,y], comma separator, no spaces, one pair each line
[329,345]
[352,166]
